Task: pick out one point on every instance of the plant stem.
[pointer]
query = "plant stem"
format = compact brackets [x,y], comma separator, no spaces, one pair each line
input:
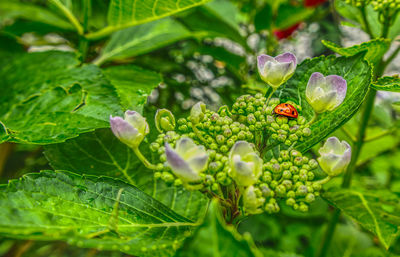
[364,17]
[70,16]
[143,159]
[329,234]
[83,42]
[270,95]
[357,146]
[392,56]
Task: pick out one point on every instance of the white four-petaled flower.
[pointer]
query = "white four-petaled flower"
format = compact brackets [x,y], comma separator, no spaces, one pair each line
[325,93]
[131,129]
[276,70]
[335,156]
[187,160]
[245,164]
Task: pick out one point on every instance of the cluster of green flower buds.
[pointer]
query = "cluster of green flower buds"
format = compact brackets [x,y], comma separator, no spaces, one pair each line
[217,131]
[358,3]
[225,154]
[288,178]
[259,116]
[385,5]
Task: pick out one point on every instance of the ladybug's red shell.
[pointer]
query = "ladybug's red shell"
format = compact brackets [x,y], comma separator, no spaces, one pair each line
[287,110]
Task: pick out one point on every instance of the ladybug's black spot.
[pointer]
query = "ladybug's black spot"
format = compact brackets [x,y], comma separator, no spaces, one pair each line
[281,110]
[286,105]
[293,112]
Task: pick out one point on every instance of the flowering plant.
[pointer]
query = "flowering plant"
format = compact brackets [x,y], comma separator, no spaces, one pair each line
[199,128]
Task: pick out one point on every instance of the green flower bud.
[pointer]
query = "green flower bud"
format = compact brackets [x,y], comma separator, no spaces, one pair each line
[266,191]
[227,133]
[290,201]
[301,191]
[303,207]
[197,112]
[301,120]
[177,182]
[282,120]
[280,191]
[306,132]
[287,184]
[293,137]
[291,194]
[167,177]
[215,187]
[214,167]
[286,174]
[224,149]
[310,198]
[252,203]
[164,120]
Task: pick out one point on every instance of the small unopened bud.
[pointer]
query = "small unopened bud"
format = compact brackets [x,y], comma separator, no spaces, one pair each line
[164,120]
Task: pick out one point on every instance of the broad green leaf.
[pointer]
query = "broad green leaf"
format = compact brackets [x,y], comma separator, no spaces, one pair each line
[47,98]
[288,15]
[354,14]
[375,49]
[219,18]
[142,39]
[215,238]
[89,211]
[376,211]
[101,153]
[14,10]
[133,84]
[355,70]
[263,18]
[391,84]
[127,13]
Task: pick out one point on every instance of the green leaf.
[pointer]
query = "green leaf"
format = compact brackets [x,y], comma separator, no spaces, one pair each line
[133,84]
[263,18]
[354,14]
[289,15]
[13,10]
[375,49]
[101,153]
[88,211]
[215,238]
[127,13]
[219,18]
[142,39]
[354,70]
[376,211]
[391,84]
[47,98]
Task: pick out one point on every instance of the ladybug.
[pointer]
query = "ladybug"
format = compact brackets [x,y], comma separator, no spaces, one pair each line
[287,110]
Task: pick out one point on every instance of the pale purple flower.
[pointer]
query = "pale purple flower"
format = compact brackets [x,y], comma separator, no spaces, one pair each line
[325,93]
[276,70]
[131,129]
[245,164]
[187,160]
[335,156]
